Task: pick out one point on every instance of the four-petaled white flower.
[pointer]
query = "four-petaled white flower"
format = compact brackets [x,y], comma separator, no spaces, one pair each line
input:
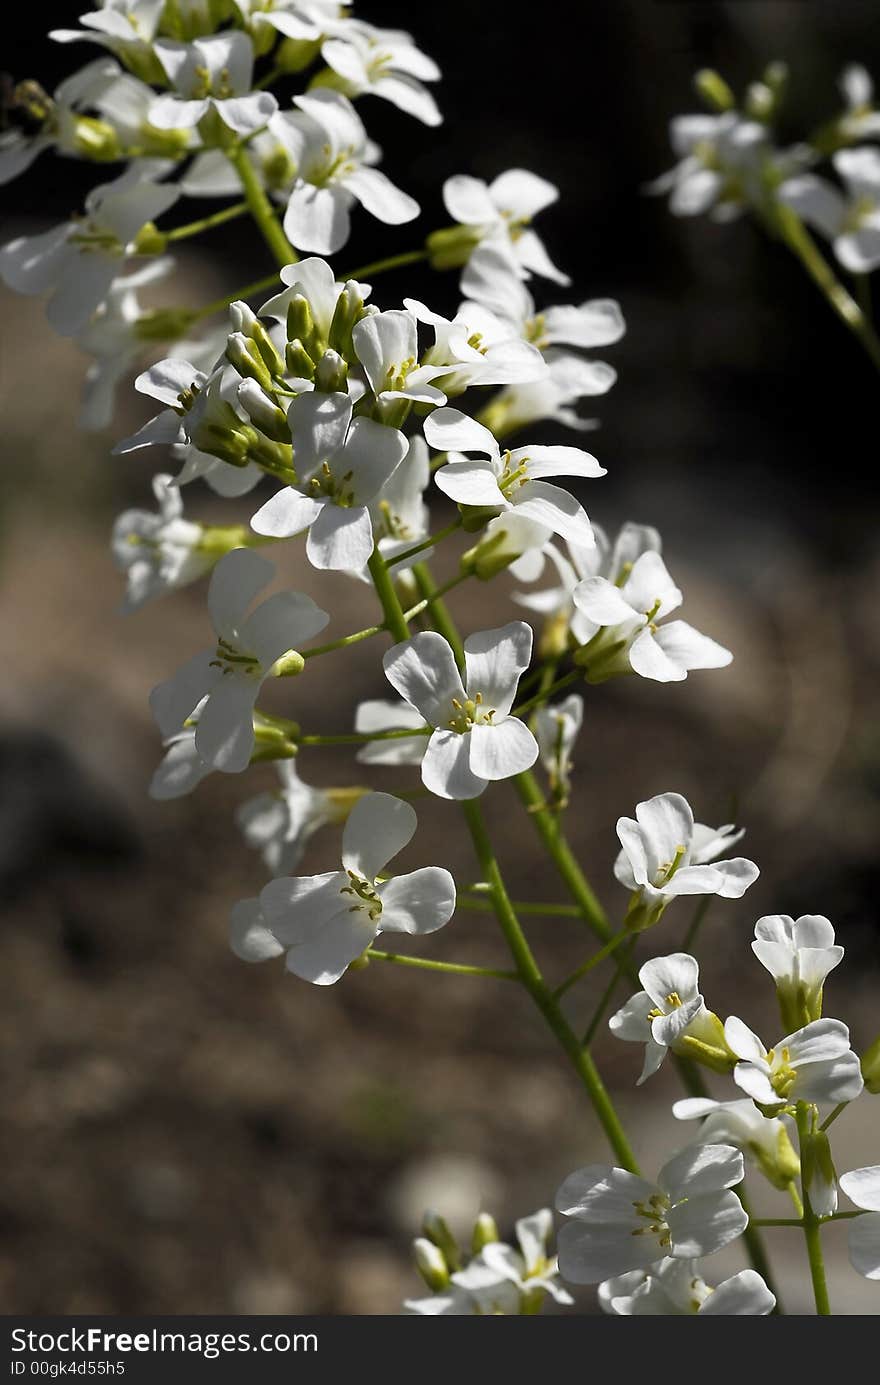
[383,62]
[860,120]
[630,636]
[126,27]
[476,349]
[665,854]
[622,1222]
[159,552]
[314,280]
[387,346]
[719,169]
[862,1186]
[850,220]
[799,954]
[333,158]
[673,1288]
[79,259]
[765,1140]
[814,1063]
[211,74]
[231,674]
[512,479]
[281,824]
[342,465]
[554,395]
[667,1012]
[504,210]
[325,922]
[113,338]
[475,739]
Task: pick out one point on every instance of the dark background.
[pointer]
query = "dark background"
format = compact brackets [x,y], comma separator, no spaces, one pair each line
[186,1134]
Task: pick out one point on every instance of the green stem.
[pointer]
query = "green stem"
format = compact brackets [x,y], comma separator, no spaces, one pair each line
[829,1120]
[607,995]
[799,240]
[544,694]
[586,967]
[345,640]
[796,1199]
[395,620]
[269,281]
[452,968]
[534,983]
[547,825]
[391,262]
[484,906]
[811,1225]
[261,208]
[429,542]
[363,737]
[440,616]
[696,922]
[207,223]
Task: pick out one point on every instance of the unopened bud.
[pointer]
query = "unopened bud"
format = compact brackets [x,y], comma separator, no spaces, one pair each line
[781,1165]
[290,665]
[298,361]
[703,1041]
[485,1232]
[435,1228]
[476,517]
[871,1067]
[263,412]
[331,374]
[296,54]
[712,87]
[242,354]
[819,1174]
[431,1263]
[95,139]
[300,322]
[349,310]
[149,241]
[451,247]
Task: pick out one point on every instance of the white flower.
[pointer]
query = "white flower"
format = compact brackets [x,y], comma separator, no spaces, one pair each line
[159,552]
[622,1222]
[600,560]
[181,387]
[862,1186]
[630,636]
[79,259]
[248,648]
[668,1012]
[328,145]
[386,344]
[719,169]
[799,954]
[504,210]
[765,1140]
[399,514]
[126,27]
[385,63]
[513,479]
[113,337]
[814,1063]
[850,220]
[476,349]
[324,922]
[665,854]
[500,1279]
[342,465]
[53,122]
[280,825]
[385,714]
[676,1287]
[860,120]
[211,74]
[557,726]
[554,396]
[313,280]
[305,20]
[475,739]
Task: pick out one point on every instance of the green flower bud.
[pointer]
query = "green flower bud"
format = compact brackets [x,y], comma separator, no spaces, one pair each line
[246,358]
[298,361]
[349,310]
[296,54]
[819,1173]
[476,517]
[149,241]
[431,1263]
[264,413]
[95,139]
[485,1232]
[712,87]
[300,322]
[290,665]
[164,324]
[871,1067]
[782,1166]
[217,540]
[435,1228]
[491,555]
[603,657]
[703,1041]
[331,374]
[760,103]
[451,246]
[245,320]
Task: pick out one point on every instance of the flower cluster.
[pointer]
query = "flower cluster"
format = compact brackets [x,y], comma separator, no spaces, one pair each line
[358,422]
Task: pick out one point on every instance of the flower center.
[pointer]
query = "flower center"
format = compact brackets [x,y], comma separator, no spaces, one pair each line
[367,900]
[329,487]
[667,869]
[672,1002]
[512,477]
[782,1074]
[204,85]
[396,374]
[92,238]
[232,660]
[653,1211]
[394,525]
[470,713]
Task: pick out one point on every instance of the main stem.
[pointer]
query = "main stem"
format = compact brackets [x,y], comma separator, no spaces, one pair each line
[811,1224]
[534,983]
[261,208]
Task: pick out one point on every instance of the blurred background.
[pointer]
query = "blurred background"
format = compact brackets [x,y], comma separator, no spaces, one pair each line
[187,1134]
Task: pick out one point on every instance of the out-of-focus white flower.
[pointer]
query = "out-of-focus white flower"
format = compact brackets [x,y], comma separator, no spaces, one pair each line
[114,338]
[333,157]
[862,1186]
[850,220]
[281,824]
[630,636]
[676,1288]
[399,514]
[488,354]
[248,649]
[211,74]
[159,552]
[475,739]
[621,1222]
[126,27]
[368,61]
[499,1280]
[557,726]
[512,479]
[325,922]
[860,120]
[504,209]
[765,1140]
[79,260]
[567,381]
[719,169]
[814,1063]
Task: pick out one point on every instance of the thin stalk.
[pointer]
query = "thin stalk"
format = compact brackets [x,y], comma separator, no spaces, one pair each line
[207,223]
[544,693]
[395,620]
[546,824]
[696,922]
[829,1120]
[451,968]
[485,906]
[362,737]
[799,240]
[606,997]
[269,281]
[391,262]
[440,616]
[261,208]
[811,1224]
[429,542]
[534,983]
[586,967]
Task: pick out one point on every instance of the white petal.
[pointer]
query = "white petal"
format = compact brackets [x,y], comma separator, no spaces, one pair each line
[245,114]
[285,621]
[420,902]
[688,649]
[494,662]
[446,767]
[743,1295]
[588,1254]
[326,955]
[521,193]
[864,1245]
[816,201]
[677,973]
[449,430]
[297,908]
[701,1169]
[753,1080]
[285,513]
[225,731]
[631,1021]
[667,823]
[467,201]
[497,752]
[703,1225]
[378,827]
[235,581]
[423,670]
[556,509]
[862,1186]
[379,196]
[249,937]
[341,539]
[743,1041]
[317,219]
[173,701]
[470,482]
[319,425]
